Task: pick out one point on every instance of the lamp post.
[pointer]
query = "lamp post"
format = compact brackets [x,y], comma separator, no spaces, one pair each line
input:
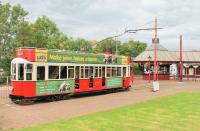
[181,61]
[149,58]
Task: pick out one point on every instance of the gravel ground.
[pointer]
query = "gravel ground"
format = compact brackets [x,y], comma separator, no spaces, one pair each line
[17,116]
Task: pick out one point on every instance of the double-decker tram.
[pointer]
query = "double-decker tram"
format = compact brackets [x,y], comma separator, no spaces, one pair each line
[56,74]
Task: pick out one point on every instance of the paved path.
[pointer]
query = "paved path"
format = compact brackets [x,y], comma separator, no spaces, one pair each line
[16,116]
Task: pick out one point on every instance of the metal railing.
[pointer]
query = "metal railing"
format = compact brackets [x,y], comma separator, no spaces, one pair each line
[5,89]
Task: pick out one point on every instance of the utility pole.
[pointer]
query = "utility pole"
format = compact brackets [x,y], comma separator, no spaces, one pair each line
[155,42]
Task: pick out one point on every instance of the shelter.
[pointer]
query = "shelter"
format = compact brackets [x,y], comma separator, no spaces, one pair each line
[168,62]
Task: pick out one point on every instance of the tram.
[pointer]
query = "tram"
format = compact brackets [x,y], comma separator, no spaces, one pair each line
[56,74]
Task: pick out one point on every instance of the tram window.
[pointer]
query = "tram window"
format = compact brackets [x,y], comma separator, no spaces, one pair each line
[13,72]
[86,72]
[100,71]
[40,73]
[108,71]
[91,71]
[21,72]
[29,70]
[96,72]
[103,71]
[77,72]
[82,71]
[63,72]
[53,72]
[119,72]
[71,72]
[124,71]
[114,71]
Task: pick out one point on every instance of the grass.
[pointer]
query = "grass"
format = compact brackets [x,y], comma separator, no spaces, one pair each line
[175,112]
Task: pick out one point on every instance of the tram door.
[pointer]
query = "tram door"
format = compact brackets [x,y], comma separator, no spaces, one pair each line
[91,77]
[41,73]
[103,77]
[124,74]
[77,73]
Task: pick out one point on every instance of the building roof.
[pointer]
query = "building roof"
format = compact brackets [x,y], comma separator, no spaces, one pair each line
[168,56]
[159,47]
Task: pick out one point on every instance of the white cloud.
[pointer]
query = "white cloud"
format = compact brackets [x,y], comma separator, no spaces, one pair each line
[101,18]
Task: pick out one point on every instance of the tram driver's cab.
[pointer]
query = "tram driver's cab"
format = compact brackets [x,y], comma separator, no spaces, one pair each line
[22,78]
[21,70]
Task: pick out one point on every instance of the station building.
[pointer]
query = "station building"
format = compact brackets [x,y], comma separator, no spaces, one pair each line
[168,63]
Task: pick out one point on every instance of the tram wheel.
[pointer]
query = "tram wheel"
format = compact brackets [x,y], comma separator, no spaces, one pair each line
[52,98]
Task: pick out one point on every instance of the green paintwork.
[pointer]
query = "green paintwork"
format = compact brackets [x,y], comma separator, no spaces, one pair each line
[53,87]
[77,57]
[114,82]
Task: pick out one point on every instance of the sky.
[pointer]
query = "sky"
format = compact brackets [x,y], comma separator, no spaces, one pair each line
[98,19]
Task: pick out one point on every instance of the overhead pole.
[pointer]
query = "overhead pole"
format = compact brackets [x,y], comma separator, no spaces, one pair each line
[155,42]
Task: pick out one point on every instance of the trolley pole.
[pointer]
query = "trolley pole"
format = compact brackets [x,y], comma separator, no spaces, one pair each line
[181,62]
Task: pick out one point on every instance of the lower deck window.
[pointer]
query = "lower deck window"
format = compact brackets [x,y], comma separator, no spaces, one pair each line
[100,71]
[119,71]
[82,71]
[29,70]
[63,72]
[103,71]
[108,72]
[71,72]
[114,71]
[53,72]
[86,72]
[13,72]
[40,73]
[96,72]
[124,72]
[21,72]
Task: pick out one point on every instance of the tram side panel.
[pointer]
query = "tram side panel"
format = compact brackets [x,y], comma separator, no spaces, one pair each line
[25,89]
[127,82]
[97,83]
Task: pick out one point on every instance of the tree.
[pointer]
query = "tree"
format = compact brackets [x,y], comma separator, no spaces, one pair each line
[23,35]
[132,48]
[12,18]
[108,46]
[45,33]
[80,45]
